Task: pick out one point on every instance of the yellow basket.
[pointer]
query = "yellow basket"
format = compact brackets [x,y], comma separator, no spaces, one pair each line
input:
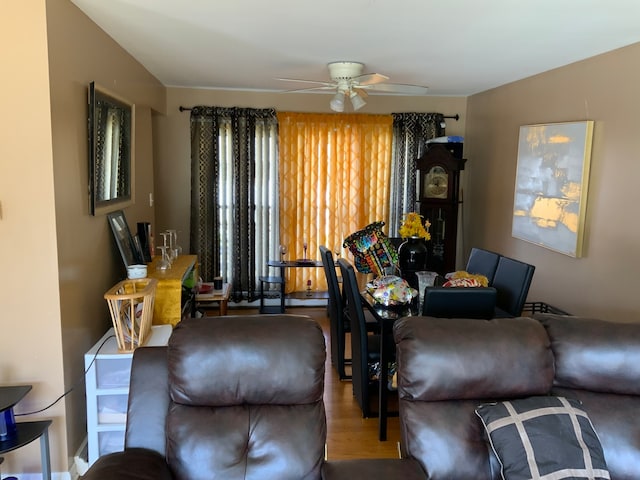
[131,306]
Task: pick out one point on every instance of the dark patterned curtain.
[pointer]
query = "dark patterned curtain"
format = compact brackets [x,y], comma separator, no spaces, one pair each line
[410,134]
[223,186]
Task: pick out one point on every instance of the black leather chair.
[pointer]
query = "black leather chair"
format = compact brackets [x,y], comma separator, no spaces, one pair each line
[459,302]
[483,262]
[512,281]
[365,347]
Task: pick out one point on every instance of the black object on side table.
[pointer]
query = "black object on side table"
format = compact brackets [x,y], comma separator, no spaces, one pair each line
[15,435]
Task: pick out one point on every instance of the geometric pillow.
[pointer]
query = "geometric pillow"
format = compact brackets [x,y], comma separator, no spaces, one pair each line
[544,437]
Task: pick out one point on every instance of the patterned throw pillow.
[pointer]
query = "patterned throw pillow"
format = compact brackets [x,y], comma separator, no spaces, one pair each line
[462,282]
[543,438]
[474,279]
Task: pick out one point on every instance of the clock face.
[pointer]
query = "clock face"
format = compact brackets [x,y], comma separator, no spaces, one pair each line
[436,183]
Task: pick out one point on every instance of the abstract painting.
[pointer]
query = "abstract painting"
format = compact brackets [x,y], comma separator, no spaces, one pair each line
[551,185]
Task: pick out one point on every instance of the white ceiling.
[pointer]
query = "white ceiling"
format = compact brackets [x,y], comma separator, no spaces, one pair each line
[455,47]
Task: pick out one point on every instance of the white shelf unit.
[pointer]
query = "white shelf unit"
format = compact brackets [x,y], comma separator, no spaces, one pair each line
[107,391]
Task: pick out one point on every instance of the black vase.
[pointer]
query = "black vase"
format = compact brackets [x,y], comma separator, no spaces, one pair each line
[412,258]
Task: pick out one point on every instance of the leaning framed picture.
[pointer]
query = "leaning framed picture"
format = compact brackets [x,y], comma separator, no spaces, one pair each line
[552,181]
[123,238]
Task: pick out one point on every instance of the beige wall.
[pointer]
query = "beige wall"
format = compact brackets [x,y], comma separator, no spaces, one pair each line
[58,260]
[603,282]
[89,263]
[172,138]
[30,342]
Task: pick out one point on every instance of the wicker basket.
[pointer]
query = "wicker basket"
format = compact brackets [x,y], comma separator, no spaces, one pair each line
[131,306]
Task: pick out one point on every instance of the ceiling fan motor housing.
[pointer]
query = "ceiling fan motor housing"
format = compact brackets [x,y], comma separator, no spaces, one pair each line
[345,70]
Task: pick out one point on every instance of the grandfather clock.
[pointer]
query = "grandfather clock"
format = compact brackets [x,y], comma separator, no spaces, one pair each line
[438,198]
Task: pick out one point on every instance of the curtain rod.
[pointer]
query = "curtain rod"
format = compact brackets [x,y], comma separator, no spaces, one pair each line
[456,117]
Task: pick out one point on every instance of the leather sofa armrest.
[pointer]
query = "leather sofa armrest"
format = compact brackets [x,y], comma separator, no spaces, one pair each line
[131,464]
[373,469]
[148,400]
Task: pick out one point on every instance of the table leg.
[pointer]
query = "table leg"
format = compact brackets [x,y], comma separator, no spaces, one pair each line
[382,384]
[223,307]
[282,290]
[45,457]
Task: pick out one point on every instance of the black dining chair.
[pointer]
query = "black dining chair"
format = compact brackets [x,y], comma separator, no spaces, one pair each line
[483,262]
[511,281]
[459,302]
[365,346]
[338,322]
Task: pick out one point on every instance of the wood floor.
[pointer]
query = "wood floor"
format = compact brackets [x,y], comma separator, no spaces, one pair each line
[348,434]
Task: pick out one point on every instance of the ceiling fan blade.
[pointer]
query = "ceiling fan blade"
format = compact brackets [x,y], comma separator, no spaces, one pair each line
[310,89]
[370,79]
[298,80]
[399,88]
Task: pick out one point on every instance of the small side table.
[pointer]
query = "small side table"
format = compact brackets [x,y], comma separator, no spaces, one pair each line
[25,432]
[220,296]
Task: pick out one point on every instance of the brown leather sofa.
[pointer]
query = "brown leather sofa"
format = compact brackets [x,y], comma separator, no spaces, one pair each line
[241,397]
[236,397]
[447,367]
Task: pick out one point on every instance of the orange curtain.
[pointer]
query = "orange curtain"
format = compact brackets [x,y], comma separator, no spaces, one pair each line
[334,180]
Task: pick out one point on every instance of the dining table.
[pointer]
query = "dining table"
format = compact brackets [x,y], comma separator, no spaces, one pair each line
[386,316]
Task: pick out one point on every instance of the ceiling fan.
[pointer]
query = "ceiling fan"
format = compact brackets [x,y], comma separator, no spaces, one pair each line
[348,80]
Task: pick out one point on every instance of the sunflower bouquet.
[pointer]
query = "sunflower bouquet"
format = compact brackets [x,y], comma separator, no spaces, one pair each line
[414,226]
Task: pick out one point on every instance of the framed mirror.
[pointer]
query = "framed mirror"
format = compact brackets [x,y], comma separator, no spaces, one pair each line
[111,162]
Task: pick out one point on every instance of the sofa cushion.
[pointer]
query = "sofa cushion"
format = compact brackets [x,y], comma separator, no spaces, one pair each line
[543,437]
[596,355]
[614,417]
[131,464]
[471,359]
[447,439]
[246,441]
[235,360]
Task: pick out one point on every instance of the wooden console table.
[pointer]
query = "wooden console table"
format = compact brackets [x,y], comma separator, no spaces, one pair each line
[167,307]
[25,432]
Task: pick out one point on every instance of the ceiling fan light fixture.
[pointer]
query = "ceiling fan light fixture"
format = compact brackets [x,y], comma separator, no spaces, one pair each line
[357,102]
[337,102]
[347,80]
